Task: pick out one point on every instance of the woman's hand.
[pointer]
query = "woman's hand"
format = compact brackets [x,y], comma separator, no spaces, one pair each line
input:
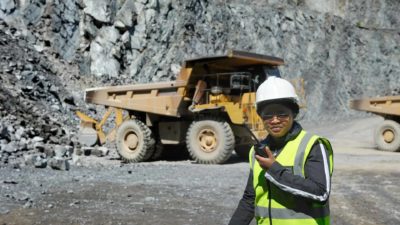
[266,163]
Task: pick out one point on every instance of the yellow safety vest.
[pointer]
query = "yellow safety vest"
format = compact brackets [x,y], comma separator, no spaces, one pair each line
[285,208]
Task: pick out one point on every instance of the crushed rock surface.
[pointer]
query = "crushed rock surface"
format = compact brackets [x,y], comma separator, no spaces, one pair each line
[365,188]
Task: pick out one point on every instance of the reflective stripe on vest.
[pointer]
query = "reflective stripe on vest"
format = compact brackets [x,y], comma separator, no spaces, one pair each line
[284,213]
[298,161]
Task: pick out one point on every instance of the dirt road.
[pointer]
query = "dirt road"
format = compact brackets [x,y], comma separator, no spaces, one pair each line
[365,188]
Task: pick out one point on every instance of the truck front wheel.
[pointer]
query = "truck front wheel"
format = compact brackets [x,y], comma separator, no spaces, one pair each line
[387,136]
[134,141]
[210,141]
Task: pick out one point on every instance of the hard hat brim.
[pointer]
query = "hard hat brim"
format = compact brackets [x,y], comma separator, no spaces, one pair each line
[288,102]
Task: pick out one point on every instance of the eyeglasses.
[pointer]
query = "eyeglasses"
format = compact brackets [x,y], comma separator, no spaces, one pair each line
[280,116]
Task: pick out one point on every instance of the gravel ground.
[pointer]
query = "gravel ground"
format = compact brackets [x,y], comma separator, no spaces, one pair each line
[146,193]
[365,188]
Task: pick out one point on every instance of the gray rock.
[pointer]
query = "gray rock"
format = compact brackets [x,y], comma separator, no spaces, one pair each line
[140,5]
[136,65]
[70,151]
[100,151]
[125,38]
[55,107]
[7,6]
[107,36]
[138,42]
[59,164]
[126,15]
[69,14]
[19,133]
[33,12]
[54,140]
[36,160]
[87,150]
[10,147]
[23,144]
[103,63]
[89,29]
[155,4]
[102,51]
[4,211]
[12,64]
[4,133]
[76,159]
[29,159]
[101,10]
[40,163]
[29,203]
[140,28]
[2,147]
[10,129]
[104,150]
[78,152]
[65,27]
[60,151]
[39,146]
[49,151]
[119,24]
[150,15]
[37,139]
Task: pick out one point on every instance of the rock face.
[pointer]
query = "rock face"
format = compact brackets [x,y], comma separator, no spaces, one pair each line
[36,106]
[343,49]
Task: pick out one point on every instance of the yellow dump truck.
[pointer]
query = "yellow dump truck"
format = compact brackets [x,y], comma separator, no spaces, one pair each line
[387,134]
[209,107]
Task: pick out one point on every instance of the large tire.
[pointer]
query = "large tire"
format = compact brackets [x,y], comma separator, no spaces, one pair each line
[387,136]
[135,142]
[210,141]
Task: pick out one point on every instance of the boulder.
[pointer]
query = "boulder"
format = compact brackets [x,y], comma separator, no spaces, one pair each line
[59,164]
[126,15]
[103,62]
[101,10]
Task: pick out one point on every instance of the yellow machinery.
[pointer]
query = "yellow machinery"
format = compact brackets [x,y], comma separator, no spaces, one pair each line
[207,108]
[387,134]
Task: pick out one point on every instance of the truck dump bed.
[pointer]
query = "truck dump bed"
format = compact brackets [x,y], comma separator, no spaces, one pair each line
[159,98]
[388,105]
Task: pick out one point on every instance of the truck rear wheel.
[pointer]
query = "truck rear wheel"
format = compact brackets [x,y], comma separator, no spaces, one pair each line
[210,141]
[387,136]
[134,141]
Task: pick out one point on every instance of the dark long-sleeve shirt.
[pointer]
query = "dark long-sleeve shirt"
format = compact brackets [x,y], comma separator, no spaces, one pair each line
[315,186]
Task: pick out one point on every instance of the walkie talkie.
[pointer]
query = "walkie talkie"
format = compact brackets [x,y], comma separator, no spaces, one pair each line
[259,148]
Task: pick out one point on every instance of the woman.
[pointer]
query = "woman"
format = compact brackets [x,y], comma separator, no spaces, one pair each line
[291,185]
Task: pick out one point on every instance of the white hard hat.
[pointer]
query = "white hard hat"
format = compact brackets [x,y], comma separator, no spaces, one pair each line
[275,88]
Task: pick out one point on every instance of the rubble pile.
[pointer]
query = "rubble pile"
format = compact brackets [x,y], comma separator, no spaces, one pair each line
[37,122]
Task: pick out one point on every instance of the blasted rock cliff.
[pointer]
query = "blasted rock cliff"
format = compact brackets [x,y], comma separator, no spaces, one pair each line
[343,49]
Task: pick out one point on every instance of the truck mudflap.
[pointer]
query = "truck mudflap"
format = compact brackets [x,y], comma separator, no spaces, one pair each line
[91,131]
